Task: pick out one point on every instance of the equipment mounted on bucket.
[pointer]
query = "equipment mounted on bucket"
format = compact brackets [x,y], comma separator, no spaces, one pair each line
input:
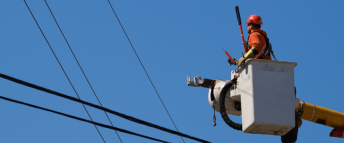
[242,34]
[207,83]
[230,60]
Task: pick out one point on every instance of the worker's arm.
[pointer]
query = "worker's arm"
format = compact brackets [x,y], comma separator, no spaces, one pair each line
[255,41]
[251,53]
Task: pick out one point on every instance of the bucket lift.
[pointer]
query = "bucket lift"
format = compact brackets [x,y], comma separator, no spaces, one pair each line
[263,93]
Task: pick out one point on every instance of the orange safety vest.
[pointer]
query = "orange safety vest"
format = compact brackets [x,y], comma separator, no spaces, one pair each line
[257,40]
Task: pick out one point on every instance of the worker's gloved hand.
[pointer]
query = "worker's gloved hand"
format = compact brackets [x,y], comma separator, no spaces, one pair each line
[241,60]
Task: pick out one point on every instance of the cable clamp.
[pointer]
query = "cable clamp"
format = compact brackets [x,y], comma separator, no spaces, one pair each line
[313,113]
[300,112]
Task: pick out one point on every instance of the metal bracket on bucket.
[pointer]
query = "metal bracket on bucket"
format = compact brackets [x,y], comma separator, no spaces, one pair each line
[198,81]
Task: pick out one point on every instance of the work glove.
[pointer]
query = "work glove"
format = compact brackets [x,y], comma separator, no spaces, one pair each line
[250,54]
[241,60]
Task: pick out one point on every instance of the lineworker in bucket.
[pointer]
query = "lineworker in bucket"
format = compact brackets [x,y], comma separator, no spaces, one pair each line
[258,46]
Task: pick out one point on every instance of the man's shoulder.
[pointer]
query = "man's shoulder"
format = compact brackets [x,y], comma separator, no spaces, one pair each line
[255,34]
[259,32]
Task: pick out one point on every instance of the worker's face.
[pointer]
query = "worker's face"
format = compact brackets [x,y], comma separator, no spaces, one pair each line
[249,26]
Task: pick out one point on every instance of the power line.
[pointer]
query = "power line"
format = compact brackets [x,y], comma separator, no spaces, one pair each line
[144,67]
[133,119]
[80,67]
[62,68]
[81,119]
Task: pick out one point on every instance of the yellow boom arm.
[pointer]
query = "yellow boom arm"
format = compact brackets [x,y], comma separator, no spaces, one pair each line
[323,116]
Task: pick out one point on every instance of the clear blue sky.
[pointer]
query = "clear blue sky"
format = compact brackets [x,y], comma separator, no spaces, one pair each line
[173,39]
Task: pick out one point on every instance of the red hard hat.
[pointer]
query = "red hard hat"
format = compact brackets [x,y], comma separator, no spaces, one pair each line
[254,19]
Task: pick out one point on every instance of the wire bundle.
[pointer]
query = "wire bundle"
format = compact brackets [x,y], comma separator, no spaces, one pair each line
[90,104]
[130,118]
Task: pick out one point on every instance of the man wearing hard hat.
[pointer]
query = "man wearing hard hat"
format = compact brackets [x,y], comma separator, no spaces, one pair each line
[257,43]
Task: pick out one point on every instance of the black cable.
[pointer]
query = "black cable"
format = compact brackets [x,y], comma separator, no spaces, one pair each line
[223,112]
[80,67]
[81,119]
[133,119]
[144,67]
[62,68]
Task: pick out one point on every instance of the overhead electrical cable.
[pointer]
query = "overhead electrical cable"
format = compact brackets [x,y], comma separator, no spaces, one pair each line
[143,67]
[63,69]
[81,119]
[133,119]
[80,67]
